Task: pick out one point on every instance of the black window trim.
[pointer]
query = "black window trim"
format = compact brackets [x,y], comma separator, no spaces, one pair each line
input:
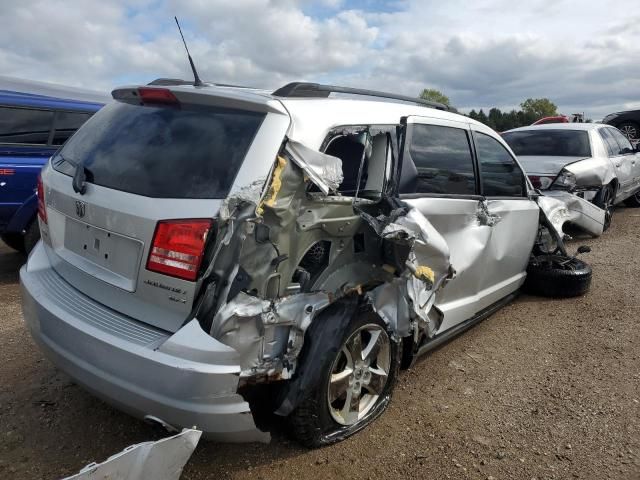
[52,125]
[525,187]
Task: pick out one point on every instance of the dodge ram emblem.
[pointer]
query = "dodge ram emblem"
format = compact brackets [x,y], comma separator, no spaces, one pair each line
[80,208]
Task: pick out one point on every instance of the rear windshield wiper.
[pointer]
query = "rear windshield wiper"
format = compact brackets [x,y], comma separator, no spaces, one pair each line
[79,173]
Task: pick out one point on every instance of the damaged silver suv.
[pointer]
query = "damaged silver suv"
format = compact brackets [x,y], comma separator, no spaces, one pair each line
[219,256]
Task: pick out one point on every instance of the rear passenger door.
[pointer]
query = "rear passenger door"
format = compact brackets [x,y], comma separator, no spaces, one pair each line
[438,177]
[622,163]
[630,157]
[503,185]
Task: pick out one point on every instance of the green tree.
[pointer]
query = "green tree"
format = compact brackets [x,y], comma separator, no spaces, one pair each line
[434,95]
[495,119]
[539,108]
[482,117]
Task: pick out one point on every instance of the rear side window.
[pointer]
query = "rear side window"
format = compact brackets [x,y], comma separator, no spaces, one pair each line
[66,124]
[186,152]
[623,142]
[25,125]
[613,148]
[443,160]
[500,174]
[555,143]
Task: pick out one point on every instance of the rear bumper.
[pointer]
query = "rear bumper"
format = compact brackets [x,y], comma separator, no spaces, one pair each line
[185,379]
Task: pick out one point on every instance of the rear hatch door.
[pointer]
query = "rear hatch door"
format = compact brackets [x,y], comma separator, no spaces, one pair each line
[174,158]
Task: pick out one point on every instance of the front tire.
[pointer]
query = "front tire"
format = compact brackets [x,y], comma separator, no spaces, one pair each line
[355,387]
[604,200]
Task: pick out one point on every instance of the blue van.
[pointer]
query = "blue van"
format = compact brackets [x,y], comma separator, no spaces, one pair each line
[35,119]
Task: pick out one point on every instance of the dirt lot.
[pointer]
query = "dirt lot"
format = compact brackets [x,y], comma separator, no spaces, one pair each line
[543,389]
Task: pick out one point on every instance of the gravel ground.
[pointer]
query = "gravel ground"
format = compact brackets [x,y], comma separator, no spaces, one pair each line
[542,389]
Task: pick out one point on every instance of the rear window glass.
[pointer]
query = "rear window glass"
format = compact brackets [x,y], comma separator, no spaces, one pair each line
[552,143]
[186,152]
[25,125]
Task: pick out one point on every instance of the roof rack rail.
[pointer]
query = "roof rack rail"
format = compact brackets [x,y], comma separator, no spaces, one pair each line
[316,90]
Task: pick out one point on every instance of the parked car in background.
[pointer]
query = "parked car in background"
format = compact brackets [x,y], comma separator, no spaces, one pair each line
[213,255]
[35,119]
[627,122]
[554,119]
[573,118]
[592,160]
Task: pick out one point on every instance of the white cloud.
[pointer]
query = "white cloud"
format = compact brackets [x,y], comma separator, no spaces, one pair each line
[583,55]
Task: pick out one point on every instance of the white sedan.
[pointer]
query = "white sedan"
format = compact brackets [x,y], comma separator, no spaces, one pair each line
[594,161]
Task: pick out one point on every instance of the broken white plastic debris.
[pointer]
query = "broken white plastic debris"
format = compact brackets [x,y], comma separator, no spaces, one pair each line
[161,460]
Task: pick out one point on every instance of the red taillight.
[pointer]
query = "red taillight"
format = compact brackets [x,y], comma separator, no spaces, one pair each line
[535,181]
[541,182]
[157,95]
[178,247]
[42,211]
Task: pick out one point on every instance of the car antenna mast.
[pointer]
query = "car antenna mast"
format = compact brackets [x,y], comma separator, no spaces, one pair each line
[196,79]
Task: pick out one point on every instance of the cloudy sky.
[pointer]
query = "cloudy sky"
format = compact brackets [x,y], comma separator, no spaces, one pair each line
[582,54]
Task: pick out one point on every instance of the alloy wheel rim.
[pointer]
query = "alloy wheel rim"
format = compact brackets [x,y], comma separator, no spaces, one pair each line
[608,205]
[359,374]
[630,132]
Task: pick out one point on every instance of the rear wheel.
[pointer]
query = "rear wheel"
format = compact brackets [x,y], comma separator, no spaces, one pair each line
[604,200]
[557,276]
[14,240]
[633,201]
[356,385]
[631,130]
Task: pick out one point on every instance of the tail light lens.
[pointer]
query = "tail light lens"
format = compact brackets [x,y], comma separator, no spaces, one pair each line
[178,247]
[42,211]
[541,182]
[157,95]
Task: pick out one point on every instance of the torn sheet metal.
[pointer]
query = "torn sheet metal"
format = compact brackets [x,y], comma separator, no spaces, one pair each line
[267,334]
[161,460]
[249,194]
[406,300]
[484,216]
[562,207]
[593,172]
[325,171]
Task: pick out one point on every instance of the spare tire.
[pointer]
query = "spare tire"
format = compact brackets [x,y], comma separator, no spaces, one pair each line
[557,276]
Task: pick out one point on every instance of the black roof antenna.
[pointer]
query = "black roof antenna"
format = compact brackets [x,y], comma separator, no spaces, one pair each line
[196,79]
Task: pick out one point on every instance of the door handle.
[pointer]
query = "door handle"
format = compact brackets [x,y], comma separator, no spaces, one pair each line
[618,165]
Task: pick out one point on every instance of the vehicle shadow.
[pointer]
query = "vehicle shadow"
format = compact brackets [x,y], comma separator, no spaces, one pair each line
[10,263]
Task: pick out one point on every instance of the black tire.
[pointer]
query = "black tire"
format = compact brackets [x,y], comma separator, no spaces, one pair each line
[631,130]
[633,201]
[557,276]
[604,200]
[32,236]
[312,423]
[14,240]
